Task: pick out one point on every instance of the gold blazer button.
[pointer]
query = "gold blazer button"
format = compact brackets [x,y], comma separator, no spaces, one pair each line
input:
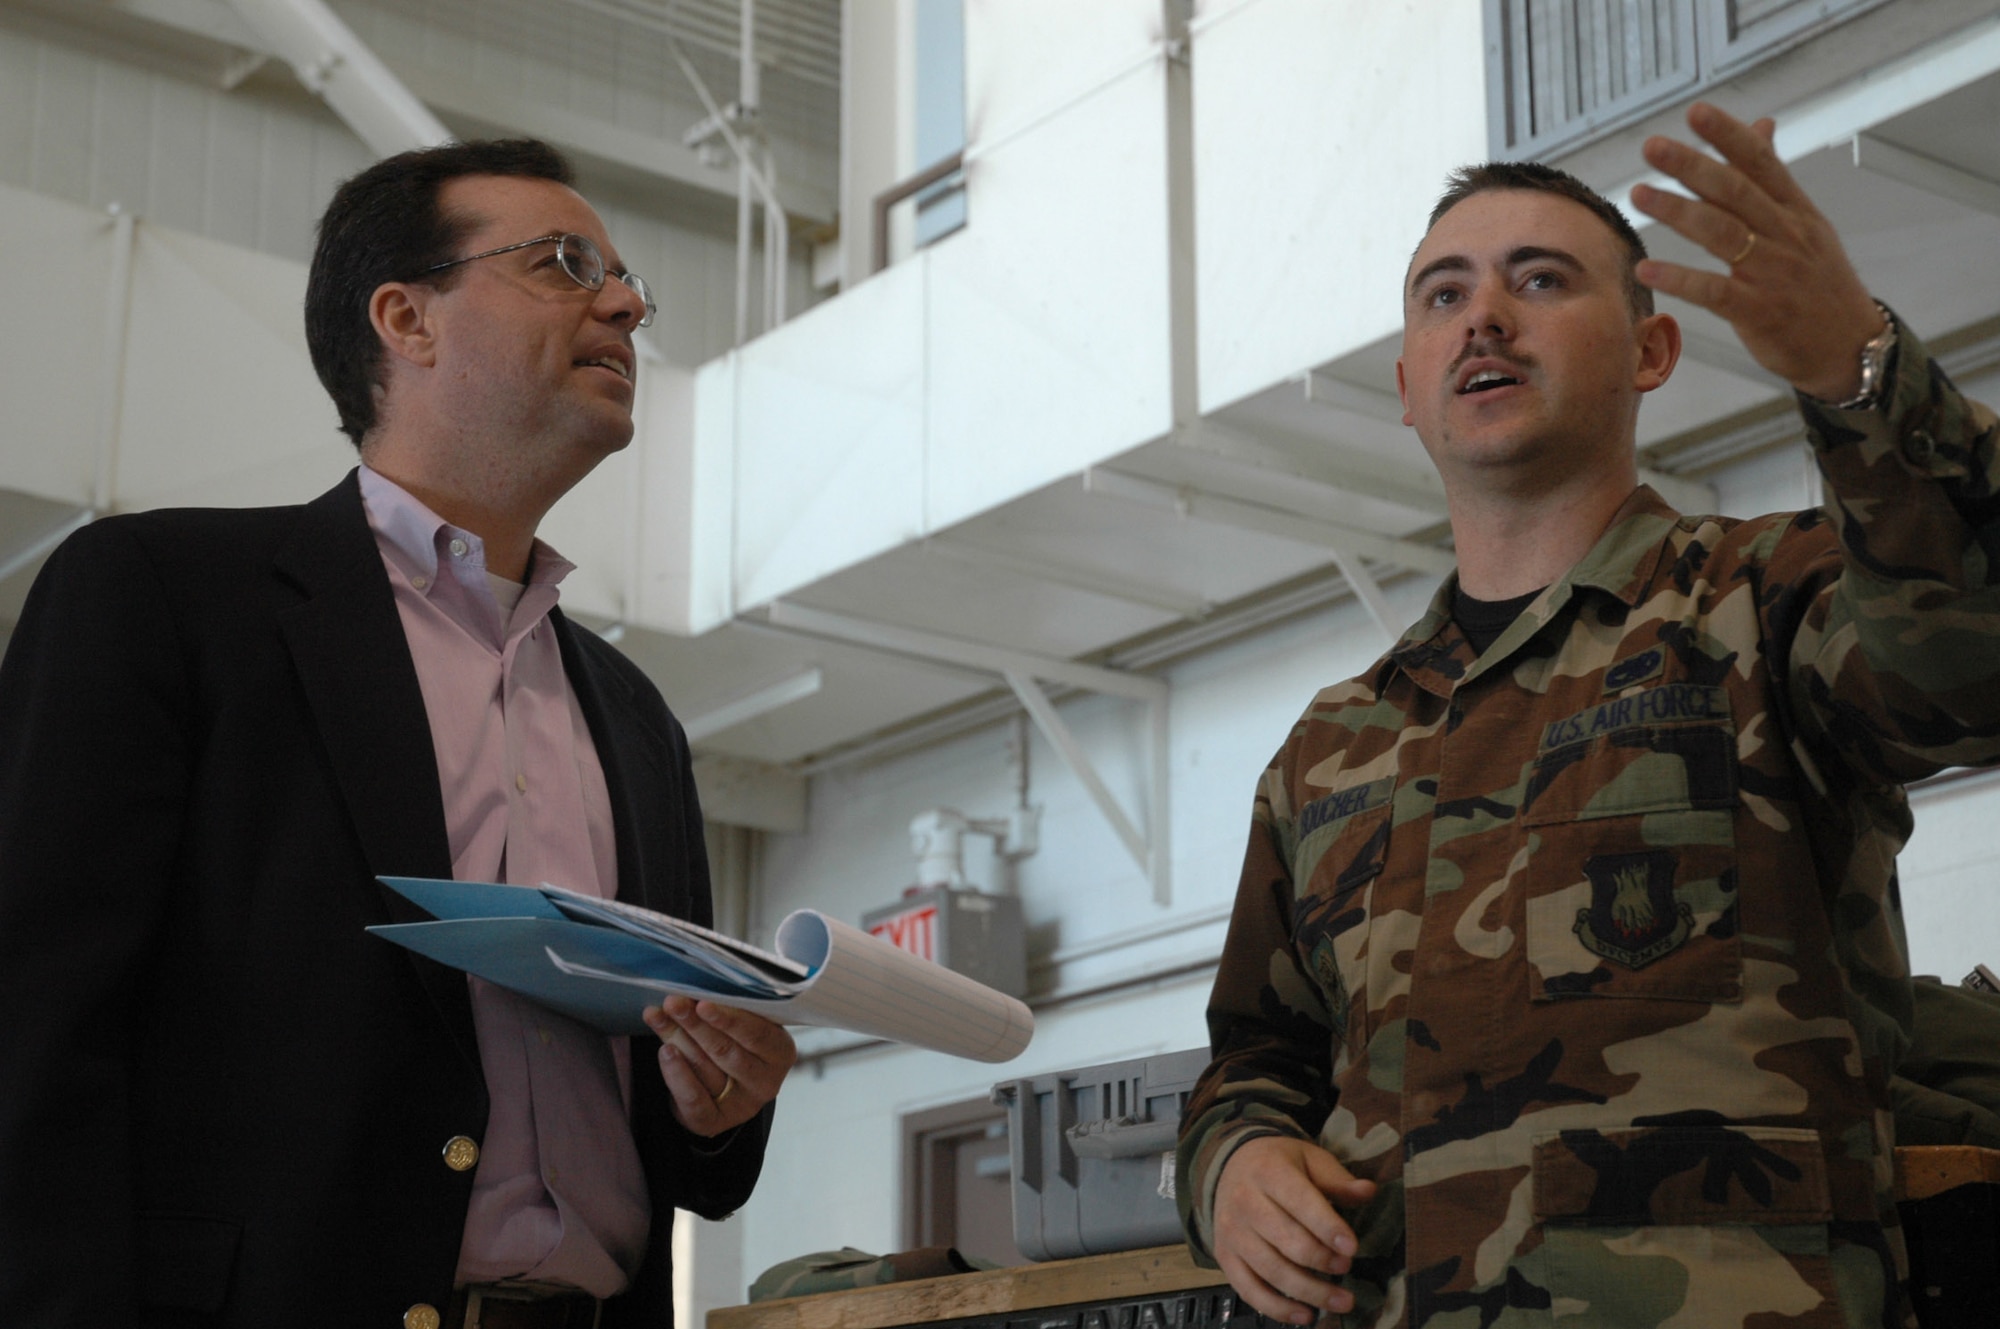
[423,1315]
[461,1154]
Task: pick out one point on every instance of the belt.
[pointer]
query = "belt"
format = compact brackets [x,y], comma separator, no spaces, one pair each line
[499,1307]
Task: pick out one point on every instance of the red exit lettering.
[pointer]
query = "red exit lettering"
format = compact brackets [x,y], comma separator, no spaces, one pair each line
[914,930]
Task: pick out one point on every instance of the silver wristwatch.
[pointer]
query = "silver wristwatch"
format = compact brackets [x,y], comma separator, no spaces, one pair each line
[1874,366]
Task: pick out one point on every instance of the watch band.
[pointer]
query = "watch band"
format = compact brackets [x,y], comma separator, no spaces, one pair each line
[1874,365]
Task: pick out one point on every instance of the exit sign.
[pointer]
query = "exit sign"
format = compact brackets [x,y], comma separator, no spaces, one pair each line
[912,930]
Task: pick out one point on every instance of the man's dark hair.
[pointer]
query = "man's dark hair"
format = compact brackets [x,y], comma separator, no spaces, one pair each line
[1466,181]
[385,225]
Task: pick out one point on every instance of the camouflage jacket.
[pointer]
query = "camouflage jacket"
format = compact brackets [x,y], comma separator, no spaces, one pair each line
[1588,949]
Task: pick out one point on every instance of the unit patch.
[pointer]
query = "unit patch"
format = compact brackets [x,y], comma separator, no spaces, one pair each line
[1633,917]
[1640,668]
[1344,803]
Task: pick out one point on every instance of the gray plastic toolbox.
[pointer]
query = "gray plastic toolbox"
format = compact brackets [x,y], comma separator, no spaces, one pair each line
[1093,1154]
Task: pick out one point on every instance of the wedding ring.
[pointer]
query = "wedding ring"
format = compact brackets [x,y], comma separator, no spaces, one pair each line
[1749,243]
[728,1087]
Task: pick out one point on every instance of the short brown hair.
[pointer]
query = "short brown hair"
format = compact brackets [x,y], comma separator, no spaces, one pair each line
[1466,181]
[385,225]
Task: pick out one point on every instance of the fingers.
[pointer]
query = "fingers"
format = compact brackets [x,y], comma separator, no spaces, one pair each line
[1278,1236]
[1748,194]
[1296,1297]
[721,1065]
[1750,181]
[1788,291]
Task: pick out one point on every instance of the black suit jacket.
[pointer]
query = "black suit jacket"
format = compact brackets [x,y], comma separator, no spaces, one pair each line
[221,1101]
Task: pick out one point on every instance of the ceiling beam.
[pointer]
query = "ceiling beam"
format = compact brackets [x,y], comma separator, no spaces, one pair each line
[1167,599]
[340,69]
[1323,389]
[34,548]
[1368,591]
[1728,355]
[1317,461]
[752,705]
[1687,495]
[1314,532]
[979,655]
[1928,174]
[1148,851]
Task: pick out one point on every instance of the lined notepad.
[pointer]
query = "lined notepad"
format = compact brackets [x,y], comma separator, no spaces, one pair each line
[602,962]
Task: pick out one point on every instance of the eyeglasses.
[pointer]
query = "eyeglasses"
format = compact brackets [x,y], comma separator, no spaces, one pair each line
[581,261]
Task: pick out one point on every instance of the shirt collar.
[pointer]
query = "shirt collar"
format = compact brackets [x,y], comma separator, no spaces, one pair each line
[1436,655]
[411,534]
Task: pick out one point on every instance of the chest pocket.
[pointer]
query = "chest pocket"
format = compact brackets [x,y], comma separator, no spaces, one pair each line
[1341,848]
[1631,884]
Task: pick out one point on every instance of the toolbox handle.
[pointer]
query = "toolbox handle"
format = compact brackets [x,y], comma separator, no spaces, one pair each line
[1122,1137]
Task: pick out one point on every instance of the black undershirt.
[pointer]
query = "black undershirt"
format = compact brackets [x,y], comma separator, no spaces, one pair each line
[1482,621]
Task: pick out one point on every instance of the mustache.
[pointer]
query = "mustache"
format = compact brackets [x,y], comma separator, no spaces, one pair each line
[1489,351]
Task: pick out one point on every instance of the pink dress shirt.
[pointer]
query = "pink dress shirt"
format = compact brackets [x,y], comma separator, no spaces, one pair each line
[558,1196]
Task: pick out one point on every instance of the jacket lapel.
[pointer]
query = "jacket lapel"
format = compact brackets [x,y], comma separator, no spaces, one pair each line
[360,684]
[637,775]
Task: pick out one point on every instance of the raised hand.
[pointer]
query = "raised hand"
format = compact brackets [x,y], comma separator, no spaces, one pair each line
[1790,292]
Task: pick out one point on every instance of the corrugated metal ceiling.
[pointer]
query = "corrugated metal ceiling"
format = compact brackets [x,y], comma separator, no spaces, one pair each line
[797,45]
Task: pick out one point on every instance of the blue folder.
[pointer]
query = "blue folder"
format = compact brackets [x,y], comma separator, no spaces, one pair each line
[504,934]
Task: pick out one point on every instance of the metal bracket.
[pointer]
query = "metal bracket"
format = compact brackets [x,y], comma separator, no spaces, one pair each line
[1149,852]
[1025,672]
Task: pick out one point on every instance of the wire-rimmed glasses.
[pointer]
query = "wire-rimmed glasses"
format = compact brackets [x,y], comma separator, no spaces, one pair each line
[581,261]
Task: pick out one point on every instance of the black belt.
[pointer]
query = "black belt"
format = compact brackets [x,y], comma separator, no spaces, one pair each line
[520,1308]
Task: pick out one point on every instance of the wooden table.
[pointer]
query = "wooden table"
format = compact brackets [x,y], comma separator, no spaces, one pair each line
[1160,1271]
[1922,1173]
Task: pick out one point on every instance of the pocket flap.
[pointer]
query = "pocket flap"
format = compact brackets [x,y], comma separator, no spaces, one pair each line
[1706,1173]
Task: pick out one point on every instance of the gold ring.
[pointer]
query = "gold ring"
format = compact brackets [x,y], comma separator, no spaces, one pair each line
[728,1087]
[1749,244]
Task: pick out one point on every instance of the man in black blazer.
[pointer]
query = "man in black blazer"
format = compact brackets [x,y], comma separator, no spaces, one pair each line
[222,1102]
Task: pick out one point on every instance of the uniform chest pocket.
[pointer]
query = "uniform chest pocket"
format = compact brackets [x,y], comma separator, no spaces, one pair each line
[1342,846]
[1631,883]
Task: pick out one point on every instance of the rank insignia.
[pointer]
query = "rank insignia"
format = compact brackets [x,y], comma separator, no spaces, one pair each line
[1633,917]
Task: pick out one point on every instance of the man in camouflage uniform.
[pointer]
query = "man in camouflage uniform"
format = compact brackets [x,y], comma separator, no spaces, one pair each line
[1566,972]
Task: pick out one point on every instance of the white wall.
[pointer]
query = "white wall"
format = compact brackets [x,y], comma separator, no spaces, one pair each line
[251,168]
[1024,348]
[1322,129]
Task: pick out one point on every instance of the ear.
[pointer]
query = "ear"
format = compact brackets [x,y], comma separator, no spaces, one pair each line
[1659,338]
[400,313]
[1403,392]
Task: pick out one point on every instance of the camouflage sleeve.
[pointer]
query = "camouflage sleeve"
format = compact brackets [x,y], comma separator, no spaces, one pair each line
[1269,1031]
[1895,650]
